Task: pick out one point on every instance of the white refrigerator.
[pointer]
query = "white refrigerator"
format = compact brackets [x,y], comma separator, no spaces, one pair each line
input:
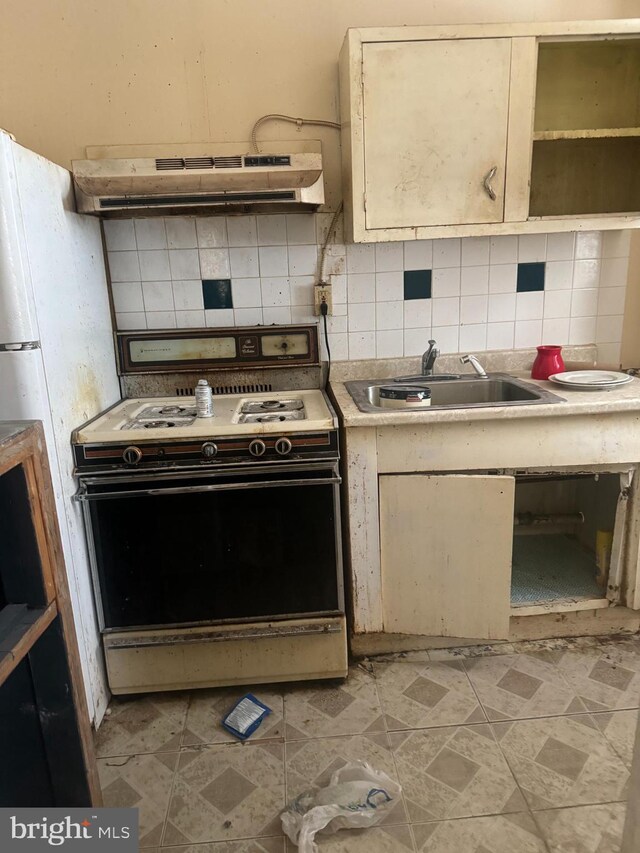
[57,361]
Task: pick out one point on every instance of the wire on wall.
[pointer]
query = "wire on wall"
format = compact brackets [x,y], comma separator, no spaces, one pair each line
[318,122]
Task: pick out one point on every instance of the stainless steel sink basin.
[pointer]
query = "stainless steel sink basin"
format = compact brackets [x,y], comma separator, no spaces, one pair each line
[463,393]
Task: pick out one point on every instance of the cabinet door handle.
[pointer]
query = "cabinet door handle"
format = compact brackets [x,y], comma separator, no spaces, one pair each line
[486,183]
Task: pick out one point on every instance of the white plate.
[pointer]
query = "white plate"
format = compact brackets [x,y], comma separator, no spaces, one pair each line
[590,379]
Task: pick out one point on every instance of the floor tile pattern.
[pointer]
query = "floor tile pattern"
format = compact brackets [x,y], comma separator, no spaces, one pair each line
[505,748]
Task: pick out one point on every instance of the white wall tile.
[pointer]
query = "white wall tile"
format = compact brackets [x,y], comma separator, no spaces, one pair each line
[445,312]
[119,235]
[360,258]
[418,254]
[609,354]
[557,303]
[445,282]
[276,315]
[242,231]
[214,263]
[127,296]
[473,309]
[584,302]
[335,260]
[154,265]
[390,344]
[272,230]
[389,315]
[362,317]
[609,330]
[528,333]
[555,331]
[161,319]
[339,285]
[503,249]
[558,275]
[132,320]
[582,330]
[305,314]
[150,233]
[611,300]
[158,296]
[218,317]
[614,272]
[503,278]
[616,244]
[301,289]
[473,337]
[243,262]
[190,319]
[416,340]
[303,260]
[475,251]
[446,253]
[211,232]
[390,257]
[361,287]
[500,335]
[301,229]
[560,247]
[246,293]
[248,316]
[275,292]
[417,313]
[339,347]
[184,264]
[389,286]
[532,248]
[362,345]
[588,244]
[181,232]
[586,273]
[273,261]
[474,280]
[187,295]
[529,306]
[124,266]
[447,338]
[337,324]
[502,308]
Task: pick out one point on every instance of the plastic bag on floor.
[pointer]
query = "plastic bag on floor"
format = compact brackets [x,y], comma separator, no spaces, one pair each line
[356,797]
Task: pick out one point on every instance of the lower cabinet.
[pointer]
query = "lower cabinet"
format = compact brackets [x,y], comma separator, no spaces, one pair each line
[446,544]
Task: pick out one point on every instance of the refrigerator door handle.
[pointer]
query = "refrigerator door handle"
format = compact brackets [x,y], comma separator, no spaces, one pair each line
[20,347]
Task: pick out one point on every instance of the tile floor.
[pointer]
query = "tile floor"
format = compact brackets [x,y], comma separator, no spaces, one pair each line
[523,752]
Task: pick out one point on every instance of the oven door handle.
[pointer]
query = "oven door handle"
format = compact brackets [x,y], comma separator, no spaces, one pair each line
[213,487]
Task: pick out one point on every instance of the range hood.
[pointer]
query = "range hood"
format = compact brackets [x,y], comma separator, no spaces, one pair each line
[220,182]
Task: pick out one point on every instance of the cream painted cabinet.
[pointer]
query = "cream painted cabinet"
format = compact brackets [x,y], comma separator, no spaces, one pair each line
[436,135]
[445,544]
[479,129]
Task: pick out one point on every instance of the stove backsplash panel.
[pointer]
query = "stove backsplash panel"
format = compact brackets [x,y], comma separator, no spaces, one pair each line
[472,294]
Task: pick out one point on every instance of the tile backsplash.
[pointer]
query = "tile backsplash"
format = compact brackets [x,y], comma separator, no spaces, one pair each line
[472,294]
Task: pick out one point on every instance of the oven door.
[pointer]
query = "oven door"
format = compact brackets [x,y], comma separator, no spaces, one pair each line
[187,548]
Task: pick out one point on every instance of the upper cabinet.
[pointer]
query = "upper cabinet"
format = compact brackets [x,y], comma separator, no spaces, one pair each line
[490,130]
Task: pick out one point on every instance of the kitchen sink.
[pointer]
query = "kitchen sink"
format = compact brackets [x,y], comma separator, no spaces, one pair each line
[499,389]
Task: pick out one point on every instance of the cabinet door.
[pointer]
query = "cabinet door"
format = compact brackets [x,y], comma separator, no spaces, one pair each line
[446,554]
[435,125]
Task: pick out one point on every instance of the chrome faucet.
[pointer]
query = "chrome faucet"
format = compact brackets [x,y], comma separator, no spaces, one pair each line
[473,361]
[429,359]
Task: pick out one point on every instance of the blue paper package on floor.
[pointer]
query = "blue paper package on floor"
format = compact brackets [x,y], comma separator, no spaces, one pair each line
[245,716]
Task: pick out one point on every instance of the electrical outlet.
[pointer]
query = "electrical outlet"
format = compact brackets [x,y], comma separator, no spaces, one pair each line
[322,293]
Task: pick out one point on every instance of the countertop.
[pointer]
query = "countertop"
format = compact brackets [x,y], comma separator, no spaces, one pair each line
[623,399]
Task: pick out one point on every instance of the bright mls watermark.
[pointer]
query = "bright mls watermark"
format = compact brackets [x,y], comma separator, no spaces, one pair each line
[73,830]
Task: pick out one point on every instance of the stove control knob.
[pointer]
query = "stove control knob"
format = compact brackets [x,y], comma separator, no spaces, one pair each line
[257,447]
[132,455]
[209,449]
[283,446]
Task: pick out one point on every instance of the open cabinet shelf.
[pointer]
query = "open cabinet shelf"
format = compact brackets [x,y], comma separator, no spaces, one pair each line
[586,133]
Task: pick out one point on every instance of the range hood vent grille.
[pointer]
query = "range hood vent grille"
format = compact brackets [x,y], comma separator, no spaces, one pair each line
[164,164]
[196,199]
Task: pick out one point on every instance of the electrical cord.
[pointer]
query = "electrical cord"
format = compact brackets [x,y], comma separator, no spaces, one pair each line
[318,122]
[324,309]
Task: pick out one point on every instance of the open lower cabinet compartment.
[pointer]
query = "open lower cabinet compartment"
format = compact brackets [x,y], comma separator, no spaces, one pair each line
[567,542]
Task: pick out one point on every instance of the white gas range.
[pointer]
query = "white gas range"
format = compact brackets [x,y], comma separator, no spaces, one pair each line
[215,542]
